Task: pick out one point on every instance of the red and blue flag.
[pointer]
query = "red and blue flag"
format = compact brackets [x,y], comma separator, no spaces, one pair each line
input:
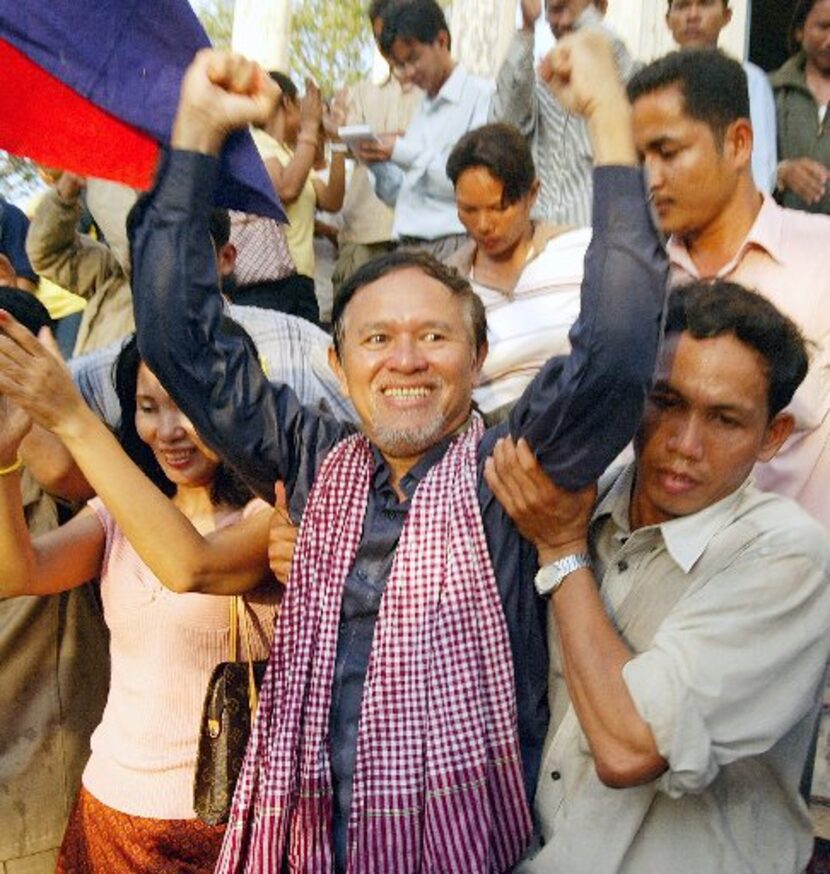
[92,86]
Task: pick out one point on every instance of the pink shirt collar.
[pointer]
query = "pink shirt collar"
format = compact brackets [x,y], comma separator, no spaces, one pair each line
[766,233]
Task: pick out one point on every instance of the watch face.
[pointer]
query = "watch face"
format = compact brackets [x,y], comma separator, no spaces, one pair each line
[550,577]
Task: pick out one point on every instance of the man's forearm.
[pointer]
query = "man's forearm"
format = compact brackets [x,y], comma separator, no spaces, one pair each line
[514,100]
[593,656]
[579,416]
[178,308]
[256,426]
[388,180]
[52,233]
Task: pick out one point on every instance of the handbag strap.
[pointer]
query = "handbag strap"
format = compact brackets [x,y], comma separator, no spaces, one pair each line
[233,643]
[244,623]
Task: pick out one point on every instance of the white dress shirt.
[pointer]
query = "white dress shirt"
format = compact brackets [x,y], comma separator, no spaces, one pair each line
[415,180]
[764,132]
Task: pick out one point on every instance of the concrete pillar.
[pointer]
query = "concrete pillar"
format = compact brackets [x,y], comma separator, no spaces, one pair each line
[481,31]
[643,27]
[261,31]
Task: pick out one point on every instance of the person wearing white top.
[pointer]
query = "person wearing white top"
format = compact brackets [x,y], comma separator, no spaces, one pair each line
[527,274]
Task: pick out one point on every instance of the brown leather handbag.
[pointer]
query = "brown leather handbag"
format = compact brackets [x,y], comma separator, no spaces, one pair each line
[227,715]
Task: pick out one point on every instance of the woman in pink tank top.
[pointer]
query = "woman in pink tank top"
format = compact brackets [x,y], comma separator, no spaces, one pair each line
[171,529]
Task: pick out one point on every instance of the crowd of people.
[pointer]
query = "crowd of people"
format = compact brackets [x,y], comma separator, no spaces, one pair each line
[531,520]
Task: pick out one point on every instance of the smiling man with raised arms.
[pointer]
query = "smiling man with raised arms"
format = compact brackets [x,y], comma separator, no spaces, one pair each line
[410,611]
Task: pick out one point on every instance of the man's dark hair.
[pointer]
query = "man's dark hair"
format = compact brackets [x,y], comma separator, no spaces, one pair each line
[503,150]
[377,9]
[219,225]
[416,20]
[713,86]
[725,4]
[709,309]
[802,9]
[287,86]
[401,260]
[24,307]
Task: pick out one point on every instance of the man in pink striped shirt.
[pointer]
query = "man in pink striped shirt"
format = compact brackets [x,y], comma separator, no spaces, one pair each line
[692,128]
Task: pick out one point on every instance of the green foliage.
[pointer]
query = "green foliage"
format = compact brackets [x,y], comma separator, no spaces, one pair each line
[18,176]
[331,42]
[217,19]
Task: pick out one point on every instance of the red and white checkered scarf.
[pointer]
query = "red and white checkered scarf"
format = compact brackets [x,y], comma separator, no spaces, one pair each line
[438,781]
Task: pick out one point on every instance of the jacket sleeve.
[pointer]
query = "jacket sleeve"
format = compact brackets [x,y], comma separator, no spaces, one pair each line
[74,261]
[515,98]
[260,428]
[581,410]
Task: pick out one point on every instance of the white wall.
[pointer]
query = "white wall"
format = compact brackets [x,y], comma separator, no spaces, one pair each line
[482,30]
[261,30]
[642,24]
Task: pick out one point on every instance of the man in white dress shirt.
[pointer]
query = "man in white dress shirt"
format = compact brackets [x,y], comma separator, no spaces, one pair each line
[411,170]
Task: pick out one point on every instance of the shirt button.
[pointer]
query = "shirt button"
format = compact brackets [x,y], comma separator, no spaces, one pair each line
[555,775]
[361,575]
[622,566]
[390,514]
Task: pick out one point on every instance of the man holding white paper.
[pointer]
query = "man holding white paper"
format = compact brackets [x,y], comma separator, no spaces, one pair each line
[410,171]
[385,108]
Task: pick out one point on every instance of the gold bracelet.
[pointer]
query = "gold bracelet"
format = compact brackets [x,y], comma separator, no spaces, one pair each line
[4,471]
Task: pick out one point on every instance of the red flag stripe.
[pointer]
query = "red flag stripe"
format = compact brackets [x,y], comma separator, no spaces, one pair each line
[43,119]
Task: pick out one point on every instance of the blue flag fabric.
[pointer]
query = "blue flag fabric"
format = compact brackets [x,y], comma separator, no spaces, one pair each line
[128,57]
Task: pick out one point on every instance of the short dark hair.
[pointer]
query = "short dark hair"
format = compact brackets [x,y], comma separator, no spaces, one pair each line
[503,150]
[402,259]
[219,225]
[227,486]
[25,307]
[286,84]
[377,9]
[416,20]
[802,9]
[725,3]
[713,86]
[709,309]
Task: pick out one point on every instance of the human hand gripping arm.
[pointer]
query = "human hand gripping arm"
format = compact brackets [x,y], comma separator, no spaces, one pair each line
[593,654]
[578,415]
[228,561]
[282,537]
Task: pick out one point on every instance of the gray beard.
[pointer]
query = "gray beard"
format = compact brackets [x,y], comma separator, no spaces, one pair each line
[406,442]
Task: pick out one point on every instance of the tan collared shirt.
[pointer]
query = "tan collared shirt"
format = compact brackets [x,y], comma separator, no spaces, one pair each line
[786,257]
[387,108]
[727,613]
[83,266]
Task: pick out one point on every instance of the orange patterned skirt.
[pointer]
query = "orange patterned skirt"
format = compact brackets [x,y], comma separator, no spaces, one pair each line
[100,840]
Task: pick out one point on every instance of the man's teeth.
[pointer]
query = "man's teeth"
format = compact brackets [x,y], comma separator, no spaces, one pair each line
[414,392]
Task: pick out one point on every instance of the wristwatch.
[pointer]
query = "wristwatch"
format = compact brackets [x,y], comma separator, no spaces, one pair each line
[550,577]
